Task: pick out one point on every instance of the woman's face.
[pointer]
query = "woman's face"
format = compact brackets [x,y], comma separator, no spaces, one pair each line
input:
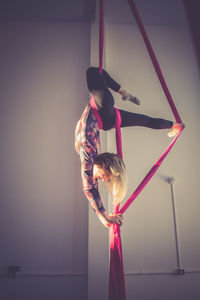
[100,173]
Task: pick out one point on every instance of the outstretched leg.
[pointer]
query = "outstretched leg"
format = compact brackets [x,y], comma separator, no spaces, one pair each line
[99,84]
[133,119]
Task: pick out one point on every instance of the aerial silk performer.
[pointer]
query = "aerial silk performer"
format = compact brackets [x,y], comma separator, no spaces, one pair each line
[107,167]
[100,114]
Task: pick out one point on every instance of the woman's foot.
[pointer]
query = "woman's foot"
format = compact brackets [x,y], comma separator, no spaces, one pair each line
[131,98]
[175,129]
[128,97]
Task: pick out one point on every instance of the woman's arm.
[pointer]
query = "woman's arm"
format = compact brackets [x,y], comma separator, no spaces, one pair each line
[108,220]
[90,185]
[90,188]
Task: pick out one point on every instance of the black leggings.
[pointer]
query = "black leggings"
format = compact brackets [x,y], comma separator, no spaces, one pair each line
[103,82]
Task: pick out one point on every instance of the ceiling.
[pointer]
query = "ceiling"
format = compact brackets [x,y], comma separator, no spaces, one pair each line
[163,12]
[46,10]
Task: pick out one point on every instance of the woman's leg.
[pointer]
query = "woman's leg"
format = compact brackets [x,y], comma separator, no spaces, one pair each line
[97,81]
[133,119]
[98,85]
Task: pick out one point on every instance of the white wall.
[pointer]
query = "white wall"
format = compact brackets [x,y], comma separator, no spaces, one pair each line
[148,231]
[43,209]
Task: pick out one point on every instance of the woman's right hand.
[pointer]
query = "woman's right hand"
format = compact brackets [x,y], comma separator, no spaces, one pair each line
[115,218]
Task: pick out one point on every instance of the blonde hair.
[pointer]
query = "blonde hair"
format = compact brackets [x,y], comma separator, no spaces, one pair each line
[115,168]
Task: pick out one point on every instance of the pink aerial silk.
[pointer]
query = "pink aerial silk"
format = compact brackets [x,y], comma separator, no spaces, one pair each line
[154,61]
[117,289]
[101,35]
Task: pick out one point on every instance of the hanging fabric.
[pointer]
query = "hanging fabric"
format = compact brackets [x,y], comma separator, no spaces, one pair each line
[101,35]
[117,289]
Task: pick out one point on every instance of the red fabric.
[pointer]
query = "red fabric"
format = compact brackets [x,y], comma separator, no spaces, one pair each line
[101,35]
[118,132]
[154,61]
[148,176]
[117,289]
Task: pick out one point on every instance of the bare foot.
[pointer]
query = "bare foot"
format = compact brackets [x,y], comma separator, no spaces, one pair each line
[175,129]
[128,97]
[131,98]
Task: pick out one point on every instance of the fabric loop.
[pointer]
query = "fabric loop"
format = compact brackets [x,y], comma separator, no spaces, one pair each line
[117,289]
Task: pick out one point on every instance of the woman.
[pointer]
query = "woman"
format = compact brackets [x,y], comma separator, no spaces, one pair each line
[107,167]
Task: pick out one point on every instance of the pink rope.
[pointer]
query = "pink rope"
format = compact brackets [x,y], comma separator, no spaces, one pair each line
[118,133]
[149,175]
[101,35]
[117,289]
[154,61]
[116,263]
